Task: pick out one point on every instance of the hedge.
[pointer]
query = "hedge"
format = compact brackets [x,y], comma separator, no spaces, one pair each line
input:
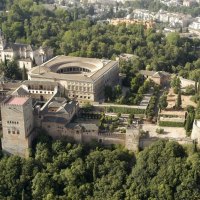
[90,115]
[125,110]
[171,124]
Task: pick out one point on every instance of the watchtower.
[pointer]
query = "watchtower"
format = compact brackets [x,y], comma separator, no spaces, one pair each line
[17,124]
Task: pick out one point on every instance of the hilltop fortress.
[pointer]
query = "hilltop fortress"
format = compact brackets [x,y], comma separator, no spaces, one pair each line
[40,103]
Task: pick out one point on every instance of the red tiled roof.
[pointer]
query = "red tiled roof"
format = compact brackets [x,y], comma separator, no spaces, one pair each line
[17,100]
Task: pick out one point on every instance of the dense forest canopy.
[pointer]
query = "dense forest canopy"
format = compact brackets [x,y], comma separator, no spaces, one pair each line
[61,170]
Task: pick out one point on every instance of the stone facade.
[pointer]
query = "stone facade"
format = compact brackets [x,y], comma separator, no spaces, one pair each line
[161,78]
[37,105]
[82,79]
[17,124]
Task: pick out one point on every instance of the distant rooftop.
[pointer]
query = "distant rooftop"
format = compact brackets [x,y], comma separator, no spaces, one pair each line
[17,100]
[154,73]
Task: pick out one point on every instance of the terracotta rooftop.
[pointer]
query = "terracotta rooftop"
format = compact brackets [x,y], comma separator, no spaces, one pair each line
[17,100]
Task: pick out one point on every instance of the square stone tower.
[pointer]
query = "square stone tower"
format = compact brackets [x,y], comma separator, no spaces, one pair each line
[17,124]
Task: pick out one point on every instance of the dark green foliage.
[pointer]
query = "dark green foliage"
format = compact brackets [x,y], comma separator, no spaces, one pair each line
[178,101]
[165,170]
[87,107]
[24,73]
[189,122]
[171,124]
[108,93]
[163,102]
[176,84]
[189,90]
[125,110]
[190,119]
[11,70]
[150,112]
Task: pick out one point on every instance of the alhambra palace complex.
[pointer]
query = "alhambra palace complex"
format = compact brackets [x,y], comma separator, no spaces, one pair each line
[51,99]
[38,103]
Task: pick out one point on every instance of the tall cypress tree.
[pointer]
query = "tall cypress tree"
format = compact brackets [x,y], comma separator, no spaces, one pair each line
[179,100]
[6,62]
[198,91]
[24,74]
[94,171]
[196,88]
[189,122]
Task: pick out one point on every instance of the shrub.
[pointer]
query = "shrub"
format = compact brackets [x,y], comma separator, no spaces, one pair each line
[171,124]
[125,110]
[160,130]
[189,90]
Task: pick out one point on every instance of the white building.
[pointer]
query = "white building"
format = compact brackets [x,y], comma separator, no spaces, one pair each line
[24,53]
[143,14]
[195,24]
[174,19]
[188,3]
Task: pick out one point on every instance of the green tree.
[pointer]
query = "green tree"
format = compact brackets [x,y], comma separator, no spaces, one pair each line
[173,39]
[24,73]
[189,122]
[179,100]
[163,102]
[117,91]
[108,93]
[12,71]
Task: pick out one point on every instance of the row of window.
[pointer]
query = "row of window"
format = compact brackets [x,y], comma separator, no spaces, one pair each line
[79,96]
[12,122]
[73,69]
[14,132]
[41,92]
[80,88]
[79,83]
[41,87]
[8,56]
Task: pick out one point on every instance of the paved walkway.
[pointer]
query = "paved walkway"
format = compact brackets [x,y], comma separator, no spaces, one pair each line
[169,132]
